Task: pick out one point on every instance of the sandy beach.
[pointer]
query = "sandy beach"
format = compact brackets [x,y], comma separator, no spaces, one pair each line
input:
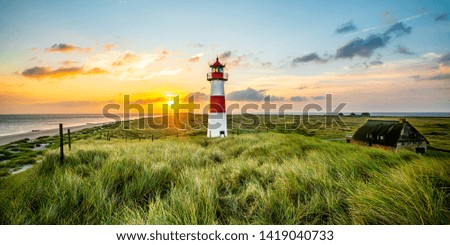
[51,132]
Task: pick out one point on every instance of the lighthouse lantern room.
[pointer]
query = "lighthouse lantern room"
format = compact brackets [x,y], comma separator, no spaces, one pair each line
[217,116]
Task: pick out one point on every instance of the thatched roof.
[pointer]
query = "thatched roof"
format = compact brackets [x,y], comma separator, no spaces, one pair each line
[388,132]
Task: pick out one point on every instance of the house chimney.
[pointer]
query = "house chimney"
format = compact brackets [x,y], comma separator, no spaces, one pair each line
[402,120]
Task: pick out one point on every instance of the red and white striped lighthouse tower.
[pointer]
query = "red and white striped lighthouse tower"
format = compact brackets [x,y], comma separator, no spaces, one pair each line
[217,117]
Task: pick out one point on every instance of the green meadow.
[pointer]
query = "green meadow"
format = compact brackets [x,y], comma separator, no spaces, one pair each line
[267,175]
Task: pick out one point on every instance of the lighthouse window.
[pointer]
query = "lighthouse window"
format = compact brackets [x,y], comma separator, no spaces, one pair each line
[220,69]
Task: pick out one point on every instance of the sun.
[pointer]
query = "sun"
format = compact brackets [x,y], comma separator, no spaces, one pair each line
[170,102]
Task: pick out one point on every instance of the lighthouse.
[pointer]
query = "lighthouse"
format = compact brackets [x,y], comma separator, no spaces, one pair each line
[217,116]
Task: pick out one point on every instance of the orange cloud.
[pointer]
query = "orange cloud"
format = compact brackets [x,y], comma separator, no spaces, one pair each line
[95,71]
[444,69]
[68,63]
[64,48]
[126,59]
[108,46]
[129,65]
[163,55]
[150,100]
[46,72]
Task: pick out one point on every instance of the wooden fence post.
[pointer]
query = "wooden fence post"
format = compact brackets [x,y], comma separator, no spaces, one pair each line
[68,137]
[61,144]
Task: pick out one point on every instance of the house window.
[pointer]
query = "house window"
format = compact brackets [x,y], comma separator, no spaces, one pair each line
[420,150]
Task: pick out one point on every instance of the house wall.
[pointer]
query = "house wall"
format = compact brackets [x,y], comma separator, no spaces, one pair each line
[411,145]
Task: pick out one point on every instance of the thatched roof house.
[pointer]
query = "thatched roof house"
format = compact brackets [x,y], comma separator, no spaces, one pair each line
[397,134]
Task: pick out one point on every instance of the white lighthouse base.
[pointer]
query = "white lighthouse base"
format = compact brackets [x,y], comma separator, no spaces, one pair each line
[217,124]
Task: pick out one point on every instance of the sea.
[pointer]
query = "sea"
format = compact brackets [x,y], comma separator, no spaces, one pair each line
[407,114]
[23,123]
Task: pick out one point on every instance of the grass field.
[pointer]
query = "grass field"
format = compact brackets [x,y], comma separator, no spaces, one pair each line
[256,177]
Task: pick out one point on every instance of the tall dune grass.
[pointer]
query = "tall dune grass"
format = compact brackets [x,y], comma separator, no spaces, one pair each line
[265,178]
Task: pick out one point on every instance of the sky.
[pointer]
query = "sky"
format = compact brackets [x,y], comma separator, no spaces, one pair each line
[78,56]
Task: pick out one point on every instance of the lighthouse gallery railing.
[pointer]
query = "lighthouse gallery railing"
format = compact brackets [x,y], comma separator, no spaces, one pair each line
[217,75]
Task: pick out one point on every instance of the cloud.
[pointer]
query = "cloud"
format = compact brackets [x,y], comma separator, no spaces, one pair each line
[441,17]
[319,97]
[123,65]
[301,87]
[248,94]
[150,100]
[68,62]
[376,63]
[403,50]
[197,45]
[431,56]
[46,72]
[416,77]
[64,48]
[225,55]
[276,98]
[312,57]
[195,58]
[266,64]
[126,59]
[198,96]
[163,55]
[69,104]
[364,47]
[445,76]
[230,59]
[298,98]
[108,46]
[94,71]
[346,27]
[445,59]
[399,29]
[127,65]
[361,47]
[367,65]
[236,62]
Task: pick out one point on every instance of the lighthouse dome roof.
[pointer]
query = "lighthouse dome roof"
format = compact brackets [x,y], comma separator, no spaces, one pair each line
[217,63]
